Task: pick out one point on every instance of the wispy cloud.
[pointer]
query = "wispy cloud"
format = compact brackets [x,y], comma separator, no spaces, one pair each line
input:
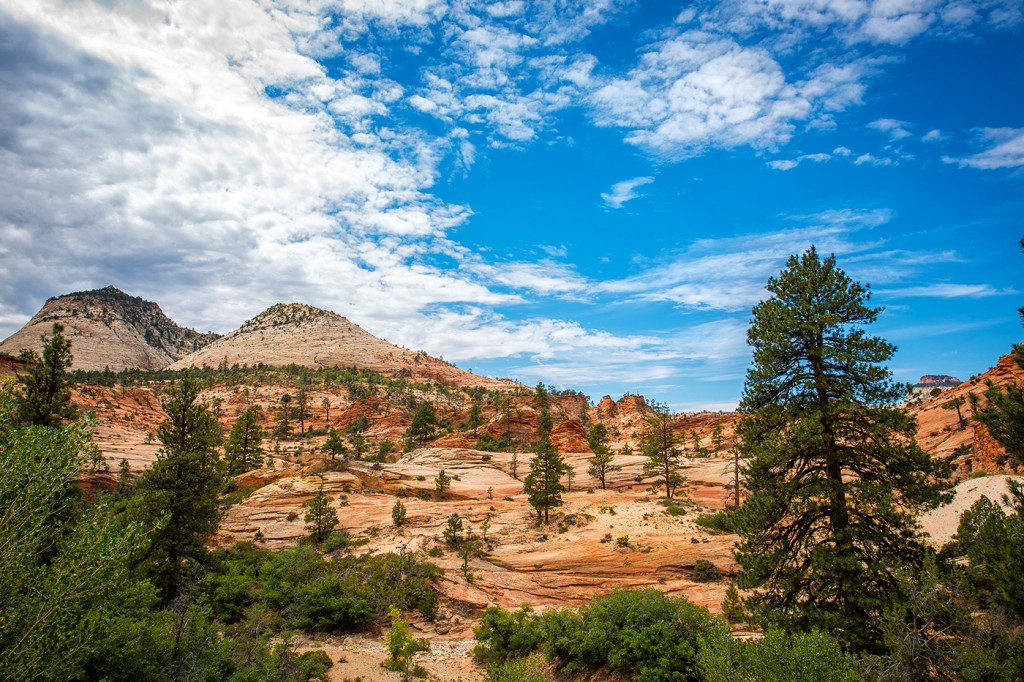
[624,191]
[1005,149]
[945,290]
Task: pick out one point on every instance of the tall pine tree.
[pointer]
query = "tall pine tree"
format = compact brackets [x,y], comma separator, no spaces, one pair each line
[46,394]
[179,494]
[244,450]
[834,474]
[543,484]
[664,459]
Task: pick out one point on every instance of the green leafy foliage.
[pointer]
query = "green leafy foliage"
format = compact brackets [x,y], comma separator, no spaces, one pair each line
[305,591]
[65,572]
[834,474]
[643,634]
[777,657]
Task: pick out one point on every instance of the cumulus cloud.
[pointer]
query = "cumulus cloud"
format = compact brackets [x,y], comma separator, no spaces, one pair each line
[624,191]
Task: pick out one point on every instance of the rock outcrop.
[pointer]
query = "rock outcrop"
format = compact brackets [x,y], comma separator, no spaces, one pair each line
[109,328]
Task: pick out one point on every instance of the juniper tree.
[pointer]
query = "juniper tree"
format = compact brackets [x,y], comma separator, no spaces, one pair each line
[45,397]
[543,484]
[664,459]
[442,483]
[834,475]
[244,449]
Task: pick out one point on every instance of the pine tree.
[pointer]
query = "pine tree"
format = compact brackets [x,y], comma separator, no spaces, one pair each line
[244,450]
[179,494]
[398,514]
[45,398]
[424,422]
[322,518]
[442,483]
[834,475]
[543,484]
[664,459]
[334,446]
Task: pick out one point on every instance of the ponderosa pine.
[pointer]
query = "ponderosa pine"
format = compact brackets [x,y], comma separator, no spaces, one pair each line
[834,475]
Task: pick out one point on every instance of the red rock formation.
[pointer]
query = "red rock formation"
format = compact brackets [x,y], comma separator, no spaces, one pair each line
[569,435]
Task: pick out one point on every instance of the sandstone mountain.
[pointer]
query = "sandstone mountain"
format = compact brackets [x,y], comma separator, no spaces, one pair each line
[294,333]
[109,328]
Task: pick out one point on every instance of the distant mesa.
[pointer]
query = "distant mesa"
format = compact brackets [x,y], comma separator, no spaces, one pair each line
[938,380]
[109,328]
[295,333]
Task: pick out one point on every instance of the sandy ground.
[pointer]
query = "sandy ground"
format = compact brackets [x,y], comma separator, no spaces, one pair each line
[361,657]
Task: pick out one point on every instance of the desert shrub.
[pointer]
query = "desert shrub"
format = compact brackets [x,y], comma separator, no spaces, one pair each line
[519,670]
[305,591]
[489,443]
[721,522]
[641,633]
[778,657]
[503,635]
[706,572]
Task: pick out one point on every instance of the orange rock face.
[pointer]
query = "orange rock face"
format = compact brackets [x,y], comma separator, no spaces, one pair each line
[569,435]
[965,444]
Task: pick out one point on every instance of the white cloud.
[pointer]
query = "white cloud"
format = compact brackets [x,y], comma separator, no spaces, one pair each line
[624,191]
[790,164]
[897,130]
[934,135]
[872,160]
[945,290]
[1005,150]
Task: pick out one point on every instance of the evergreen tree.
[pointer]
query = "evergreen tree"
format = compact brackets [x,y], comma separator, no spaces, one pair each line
[322,518]
[476,415]
[543,484]
[179,494]
[442,483]
[302,405]
[424,422]
[334,446]
[46,394]
[398,514]
[834,474]
[284,416]
[244,450]
[664,459]
[545,422]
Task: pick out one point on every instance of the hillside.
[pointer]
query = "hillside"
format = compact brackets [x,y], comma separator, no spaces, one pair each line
[109,328]
[966,444]
[294,333]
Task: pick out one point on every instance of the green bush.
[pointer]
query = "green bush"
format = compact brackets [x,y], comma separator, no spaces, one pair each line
[777,657]
[643,633]
[706,572]
[305,591]
[721,522]
[503,635]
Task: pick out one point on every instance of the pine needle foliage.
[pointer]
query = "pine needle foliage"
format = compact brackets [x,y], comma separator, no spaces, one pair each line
[834,474]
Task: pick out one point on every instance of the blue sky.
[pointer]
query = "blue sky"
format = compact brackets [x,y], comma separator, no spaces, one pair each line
[591,195]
